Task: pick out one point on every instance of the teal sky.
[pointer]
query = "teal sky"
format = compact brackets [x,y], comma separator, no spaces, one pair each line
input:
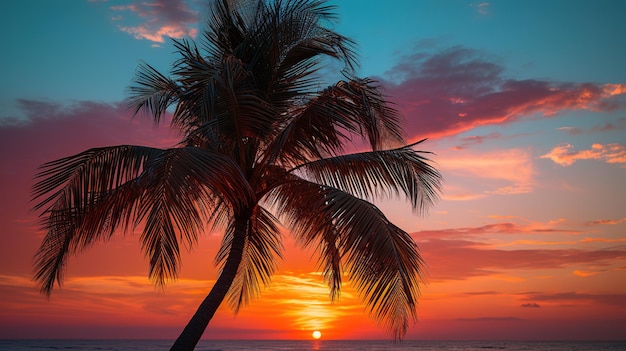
[76,51]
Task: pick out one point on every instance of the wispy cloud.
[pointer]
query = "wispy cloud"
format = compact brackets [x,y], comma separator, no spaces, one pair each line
[513,168]
[496,228]
[90,123]
[159,19]
[620,124]
[490,319]
[605,221]
[457,260]
[481,7]
[296,301]
[531,305]
[463,253]
[565,155]
[452,91]
[476,139]
[577,297]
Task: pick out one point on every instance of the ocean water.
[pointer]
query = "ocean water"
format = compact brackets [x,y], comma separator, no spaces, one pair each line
[306,345]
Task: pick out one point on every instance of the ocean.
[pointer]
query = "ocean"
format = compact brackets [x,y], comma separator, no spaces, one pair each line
[306,345]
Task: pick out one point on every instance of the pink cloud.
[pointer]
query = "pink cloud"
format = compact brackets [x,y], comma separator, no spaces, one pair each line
[494,228]
[508,171]
[457,259]
[463,253]
[160,19]
[455,90]
[565,155]
[53,131]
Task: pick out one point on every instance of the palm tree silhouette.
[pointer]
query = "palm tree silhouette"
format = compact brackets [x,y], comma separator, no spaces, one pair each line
[258,136]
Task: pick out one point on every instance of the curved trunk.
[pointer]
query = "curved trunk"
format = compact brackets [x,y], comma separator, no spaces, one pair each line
[195,328]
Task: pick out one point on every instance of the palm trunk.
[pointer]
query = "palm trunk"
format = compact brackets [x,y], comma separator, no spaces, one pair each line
[192,333]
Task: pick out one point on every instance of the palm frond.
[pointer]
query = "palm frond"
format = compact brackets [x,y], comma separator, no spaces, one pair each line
[152,91]
[182,189]
[85,197]
[51,257]
[370,113]
[301,41]
[382,259]
[402,171]
[226,27]
[220,102]
[81,199]
[80,180]
[324,124]
[262,248]
[196,76]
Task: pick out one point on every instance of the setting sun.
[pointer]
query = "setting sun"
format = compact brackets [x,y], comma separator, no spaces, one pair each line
[316,334]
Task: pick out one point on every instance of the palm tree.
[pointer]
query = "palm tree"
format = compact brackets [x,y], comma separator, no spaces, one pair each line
[258,136]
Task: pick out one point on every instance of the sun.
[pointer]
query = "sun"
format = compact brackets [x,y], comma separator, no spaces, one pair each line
[316,334]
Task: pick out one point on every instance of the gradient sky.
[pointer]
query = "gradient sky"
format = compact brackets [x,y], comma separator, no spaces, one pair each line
[524,105]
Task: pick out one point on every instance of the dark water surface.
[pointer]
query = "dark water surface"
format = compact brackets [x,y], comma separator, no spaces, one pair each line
[306,345]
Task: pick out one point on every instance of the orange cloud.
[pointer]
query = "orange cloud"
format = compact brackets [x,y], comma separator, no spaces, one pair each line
[157,35]
[585,273]
[605,222]
[292,307]
[512,167]
[564,154]
[603,240]
[160,19]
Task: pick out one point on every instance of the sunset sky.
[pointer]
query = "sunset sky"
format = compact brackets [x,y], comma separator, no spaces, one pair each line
[522,102]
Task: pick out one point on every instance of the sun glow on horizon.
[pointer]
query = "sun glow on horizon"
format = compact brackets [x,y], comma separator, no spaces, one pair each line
[316,334]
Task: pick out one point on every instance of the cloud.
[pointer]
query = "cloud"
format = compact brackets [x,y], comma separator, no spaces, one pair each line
[160,19]
[495,228]
[565,155]
[481,7]
[603,240]
[620,124]
[605,222]
[531,305]
[298,301]
[585,273]
[618,300]
[508,171]
[476,139]
[482,293]
[452,91]
[490,319]
[89,124]
[459,254]
[51,131]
